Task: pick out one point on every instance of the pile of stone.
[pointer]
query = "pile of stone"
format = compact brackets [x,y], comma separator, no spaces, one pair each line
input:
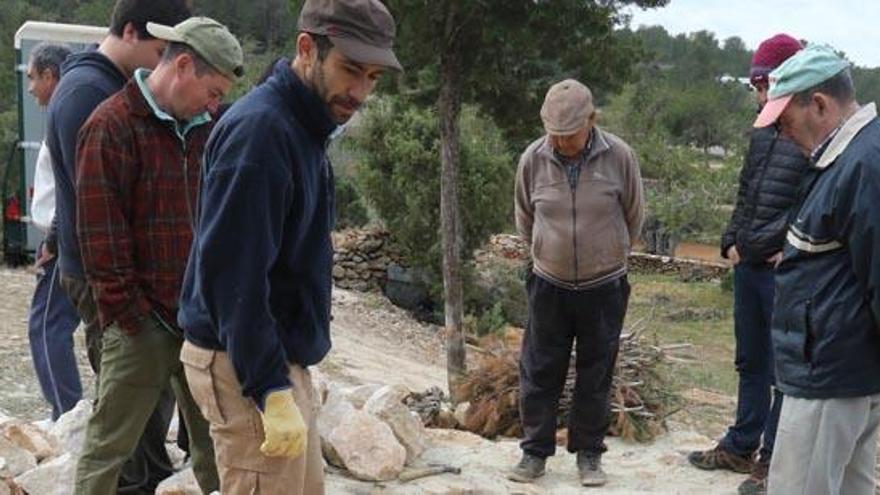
[365,430]
[512,247]
[368,431]
[688,270]
[39,461]
[361,259]
[36,461]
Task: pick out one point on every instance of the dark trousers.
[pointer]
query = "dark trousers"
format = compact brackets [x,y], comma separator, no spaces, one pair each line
[758,402]
[591,320]
[51,324]
[149,464]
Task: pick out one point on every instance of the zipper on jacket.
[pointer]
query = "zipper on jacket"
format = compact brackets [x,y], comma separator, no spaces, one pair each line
[573,176]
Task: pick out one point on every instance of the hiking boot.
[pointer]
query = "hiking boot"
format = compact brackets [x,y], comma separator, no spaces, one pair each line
[529,468]
[721,458]
[756,484]
[590,469]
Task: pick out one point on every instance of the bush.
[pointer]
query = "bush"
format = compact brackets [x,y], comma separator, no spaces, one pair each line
[399,175]
[350,209]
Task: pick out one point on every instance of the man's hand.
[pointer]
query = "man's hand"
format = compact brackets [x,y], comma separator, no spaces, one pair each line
[44,257]
[286,433]
[733,255]
[775,259]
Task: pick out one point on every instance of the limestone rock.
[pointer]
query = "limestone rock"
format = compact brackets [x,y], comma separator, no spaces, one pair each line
[17,460]
[31,438]
[333,412]
[367,447]
[180,483]
[387,405]
[70,429]
[53,477]
[358,396]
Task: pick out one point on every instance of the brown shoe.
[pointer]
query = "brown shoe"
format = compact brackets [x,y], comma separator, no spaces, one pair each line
[756,484]
[720,458]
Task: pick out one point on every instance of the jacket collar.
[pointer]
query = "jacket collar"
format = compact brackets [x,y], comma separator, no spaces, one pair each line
[598,145]
[309,109]
[146,105]
[845,135]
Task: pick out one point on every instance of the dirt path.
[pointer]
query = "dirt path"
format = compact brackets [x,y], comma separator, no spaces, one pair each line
[375,342]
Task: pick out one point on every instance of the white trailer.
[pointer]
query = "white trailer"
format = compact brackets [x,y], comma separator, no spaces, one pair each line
[20,237]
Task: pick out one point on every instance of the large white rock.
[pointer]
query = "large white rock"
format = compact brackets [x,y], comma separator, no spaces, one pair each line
[387,405]
[180,483]
[367,447]
[333,412]
[53,477]
[358,396]
[31,438]
[16,459]
[70,429]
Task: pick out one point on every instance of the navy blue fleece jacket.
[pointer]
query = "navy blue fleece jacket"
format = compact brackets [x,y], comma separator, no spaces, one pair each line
[259,275]
[87,79]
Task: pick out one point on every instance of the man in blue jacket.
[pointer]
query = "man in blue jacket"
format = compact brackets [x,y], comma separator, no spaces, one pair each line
[826,326]
[753,242]
[88,78]
[255,304]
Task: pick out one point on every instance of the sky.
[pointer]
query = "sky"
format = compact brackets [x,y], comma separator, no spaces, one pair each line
[847,25]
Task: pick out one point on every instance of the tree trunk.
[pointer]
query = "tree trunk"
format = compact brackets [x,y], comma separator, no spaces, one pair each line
[449,104]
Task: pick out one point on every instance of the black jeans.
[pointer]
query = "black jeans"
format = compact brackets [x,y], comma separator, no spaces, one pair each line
[558,317]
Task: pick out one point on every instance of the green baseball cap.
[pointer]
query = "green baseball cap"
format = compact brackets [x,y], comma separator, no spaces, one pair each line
[813,65]
[207,37]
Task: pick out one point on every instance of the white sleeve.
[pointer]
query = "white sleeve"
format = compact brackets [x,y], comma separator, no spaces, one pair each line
[43,203]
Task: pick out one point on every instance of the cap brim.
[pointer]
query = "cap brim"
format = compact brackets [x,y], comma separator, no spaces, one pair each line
[163,32]
[771,111]
[363,53]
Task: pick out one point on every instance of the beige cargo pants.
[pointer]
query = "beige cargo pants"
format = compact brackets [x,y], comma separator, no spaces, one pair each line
[237,429]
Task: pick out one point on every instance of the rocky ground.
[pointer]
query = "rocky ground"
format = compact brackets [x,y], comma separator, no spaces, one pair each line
[377,343]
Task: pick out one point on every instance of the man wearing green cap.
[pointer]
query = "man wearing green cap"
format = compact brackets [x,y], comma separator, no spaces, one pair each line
[578,203]
[255,302]
[826,324]
[138,171]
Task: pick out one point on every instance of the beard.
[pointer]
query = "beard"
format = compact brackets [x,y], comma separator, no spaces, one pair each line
[319,84]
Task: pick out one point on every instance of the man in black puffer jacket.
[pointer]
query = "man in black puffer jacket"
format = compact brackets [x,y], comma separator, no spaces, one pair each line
[753,241]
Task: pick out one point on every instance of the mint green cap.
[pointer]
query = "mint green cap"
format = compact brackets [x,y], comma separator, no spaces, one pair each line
[805,69]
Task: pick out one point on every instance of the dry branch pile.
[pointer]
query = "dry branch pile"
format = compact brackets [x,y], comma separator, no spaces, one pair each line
[639,402]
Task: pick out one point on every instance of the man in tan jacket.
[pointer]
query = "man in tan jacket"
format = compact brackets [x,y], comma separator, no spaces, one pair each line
[578,204]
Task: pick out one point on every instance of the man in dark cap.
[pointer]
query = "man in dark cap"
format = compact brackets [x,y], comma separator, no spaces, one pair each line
[578,204]
[255,304]
[753,242]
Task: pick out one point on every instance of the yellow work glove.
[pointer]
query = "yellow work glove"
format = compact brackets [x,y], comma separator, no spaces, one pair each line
[283,425]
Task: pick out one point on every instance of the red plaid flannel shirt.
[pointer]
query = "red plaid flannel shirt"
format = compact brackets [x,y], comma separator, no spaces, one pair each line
[136,195]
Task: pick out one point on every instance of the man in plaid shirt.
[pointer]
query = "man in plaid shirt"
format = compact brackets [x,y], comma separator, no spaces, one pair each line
[138,164]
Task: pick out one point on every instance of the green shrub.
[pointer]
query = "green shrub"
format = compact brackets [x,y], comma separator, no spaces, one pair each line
[350,209]
[398,171]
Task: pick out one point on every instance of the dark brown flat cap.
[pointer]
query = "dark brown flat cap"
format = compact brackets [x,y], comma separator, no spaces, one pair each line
[363,30]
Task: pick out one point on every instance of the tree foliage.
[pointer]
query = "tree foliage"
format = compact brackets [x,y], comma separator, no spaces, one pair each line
[398,146]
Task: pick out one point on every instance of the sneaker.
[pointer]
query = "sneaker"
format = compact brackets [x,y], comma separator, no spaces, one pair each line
[529,468]
[590,469]
[756,484]
[721,458]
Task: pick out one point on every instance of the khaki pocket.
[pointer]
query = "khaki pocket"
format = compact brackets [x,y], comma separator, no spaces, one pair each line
[200,378]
